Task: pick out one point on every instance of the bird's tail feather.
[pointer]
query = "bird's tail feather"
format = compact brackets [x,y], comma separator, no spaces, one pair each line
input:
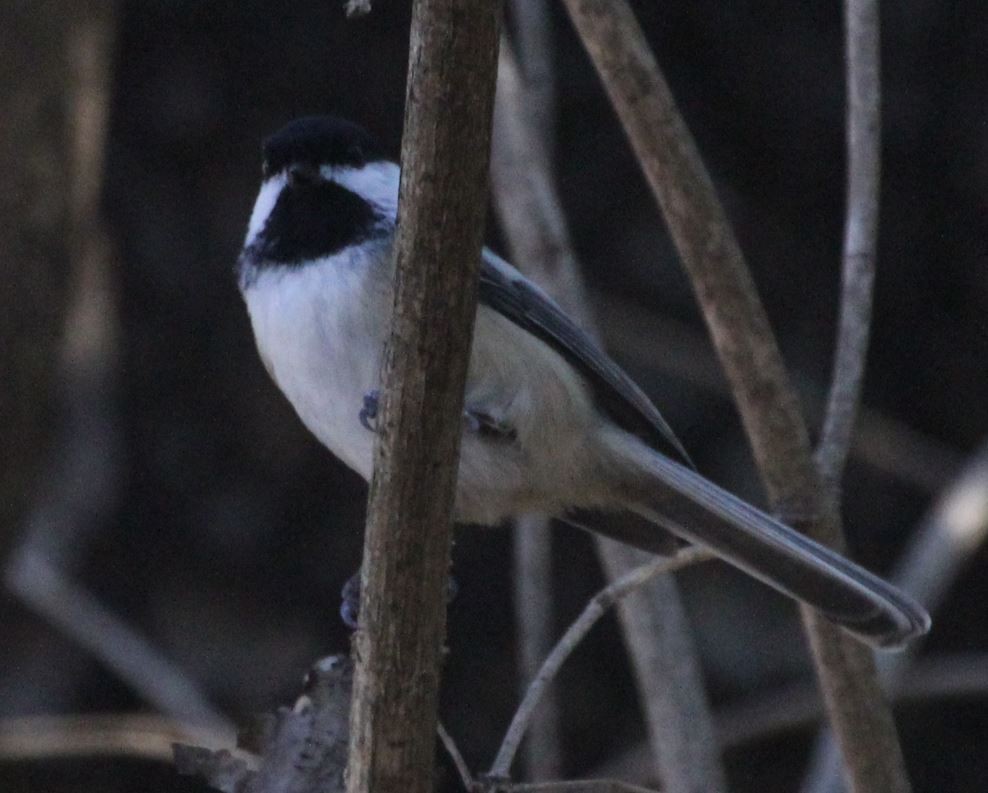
[691,506]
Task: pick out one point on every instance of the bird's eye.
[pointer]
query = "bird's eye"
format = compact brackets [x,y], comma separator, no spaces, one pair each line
[355,156]
[303,174]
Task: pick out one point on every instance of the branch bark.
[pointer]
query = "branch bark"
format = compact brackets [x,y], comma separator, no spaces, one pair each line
[445,150]
[741,333]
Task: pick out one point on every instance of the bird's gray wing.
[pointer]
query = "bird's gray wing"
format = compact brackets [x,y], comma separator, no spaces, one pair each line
[504,290]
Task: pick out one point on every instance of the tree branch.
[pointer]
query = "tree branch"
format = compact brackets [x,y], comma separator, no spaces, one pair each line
[860,235]
[445,149]
[34,226]
[533,608]
[519,149]
[536,55]
[741,333]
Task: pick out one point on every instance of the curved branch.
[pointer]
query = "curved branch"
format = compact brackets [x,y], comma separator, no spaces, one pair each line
[591,613]
[860,235]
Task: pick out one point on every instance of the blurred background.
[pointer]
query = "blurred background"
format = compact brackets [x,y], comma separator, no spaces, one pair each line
[158,490]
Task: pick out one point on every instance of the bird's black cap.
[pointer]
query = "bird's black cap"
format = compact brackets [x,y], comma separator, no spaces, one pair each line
[320,140]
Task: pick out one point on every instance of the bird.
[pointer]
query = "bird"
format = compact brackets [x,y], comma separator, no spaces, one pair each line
[551,424]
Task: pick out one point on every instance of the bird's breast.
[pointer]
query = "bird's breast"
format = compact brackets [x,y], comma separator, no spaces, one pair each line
[317,329]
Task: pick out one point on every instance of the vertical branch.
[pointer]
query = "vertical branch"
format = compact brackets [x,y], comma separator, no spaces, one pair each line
[860,234]
[954,530]
[667,673]
[863,70]
[34,217]
[534,45]
[445,149]
[654,626]
[532,536]
[533,626]
[750,355]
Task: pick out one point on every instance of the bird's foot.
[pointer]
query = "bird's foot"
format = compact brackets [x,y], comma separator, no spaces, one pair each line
[475,421]
[368,413]
[481,423]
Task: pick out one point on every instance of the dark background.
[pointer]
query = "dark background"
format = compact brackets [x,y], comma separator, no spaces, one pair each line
[226,532]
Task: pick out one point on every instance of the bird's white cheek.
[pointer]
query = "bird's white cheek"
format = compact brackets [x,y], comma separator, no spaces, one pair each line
[266,199]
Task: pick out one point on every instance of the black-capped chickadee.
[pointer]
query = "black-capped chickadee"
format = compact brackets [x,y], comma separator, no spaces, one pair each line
[551,424]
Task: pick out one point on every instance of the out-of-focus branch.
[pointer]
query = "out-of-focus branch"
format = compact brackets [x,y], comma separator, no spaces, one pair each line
[533,602]
[140,735]
[948,537]
[80,616]
[535,49]
[592,612]
[654,625]
[961,676]
[747,348]
[34,221]
[881,442]
[953,531]
[533,607]
[860,234]
[357,8]
[442,202]
[527,204]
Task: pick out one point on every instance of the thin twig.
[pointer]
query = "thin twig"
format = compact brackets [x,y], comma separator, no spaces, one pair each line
[591,613]
[668,676]
[454,753]
[860,235]
[140,735]
[766,399]
[663,657]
